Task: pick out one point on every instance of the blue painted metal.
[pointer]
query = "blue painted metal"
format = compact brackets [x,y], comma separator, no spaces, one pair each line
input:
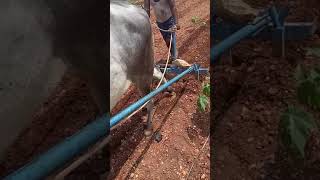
[275,17]
[299,30]
[221,29]
[293,31]
[178,70]
[278,42]
[269,25]
[60,154]
[72,146]
[278,34]
[244,32]
[126,112]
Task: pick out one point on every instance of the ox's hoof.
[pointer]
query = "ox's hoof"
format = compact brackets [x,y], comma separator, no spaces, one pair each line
[158,136]
[170,89]
[148,132]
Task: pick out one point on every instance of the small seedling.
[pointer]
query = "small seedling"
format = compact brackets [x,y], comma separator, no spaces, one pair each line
[195,19]
[203,100]
[198,21]
[296,124]
[313,51]
[295,128]
[308,86]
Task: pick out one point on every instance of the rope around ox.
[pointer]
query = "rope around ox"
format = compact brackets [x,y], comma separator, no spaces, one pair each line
[105,141]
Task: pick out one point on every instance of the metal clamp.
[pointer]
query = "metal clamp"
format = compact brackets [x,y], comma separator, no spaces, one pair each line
[196,68]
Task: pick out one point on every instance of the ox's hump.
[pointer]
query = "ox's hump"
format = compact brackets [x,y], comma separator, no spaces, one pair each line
[122,13]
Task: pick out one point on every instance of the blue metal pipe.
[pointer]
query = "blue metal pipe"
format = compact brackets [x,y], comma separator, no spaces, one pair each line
[178,70]
[60,154]
[244,32]
[275,17]
[293,31]
[123,114]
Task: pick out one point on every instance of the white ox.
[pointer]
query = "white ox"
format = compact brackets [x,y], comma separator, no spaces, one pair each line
[131,52]
[38,40]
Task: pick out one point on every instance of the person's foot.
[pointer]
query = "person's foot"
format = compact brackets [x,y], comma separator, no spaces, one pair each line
[172,58]
[181,63]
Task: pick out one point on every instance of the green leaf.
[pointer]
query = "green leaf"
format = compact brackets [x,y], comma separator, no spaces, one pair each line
[195,19]
[314,75]
[313,51]
[206,89]
[295,126]
[308,88]
[202,102]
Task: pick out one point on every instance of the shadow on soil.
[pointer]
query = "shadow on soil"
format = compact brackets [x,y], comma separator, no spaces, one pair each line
[202,121]
[126,139]
[164,120]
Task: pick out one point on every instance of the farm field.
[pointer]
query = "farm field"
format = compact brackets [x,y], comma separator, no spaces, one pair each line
[249,98]
[184,129]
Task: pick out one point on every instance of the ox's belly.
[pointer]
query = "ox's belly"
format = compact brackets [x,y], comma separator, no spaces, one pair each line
[119,84]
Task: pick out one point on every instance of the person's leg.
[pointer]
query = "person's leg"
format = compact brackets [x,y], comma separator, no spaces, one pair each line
[167,37]
[173,50]
[167,40]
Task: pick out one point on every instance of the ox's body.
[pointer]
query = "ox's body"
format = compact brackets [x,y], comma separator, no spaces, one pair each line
[39,42]
[131,51]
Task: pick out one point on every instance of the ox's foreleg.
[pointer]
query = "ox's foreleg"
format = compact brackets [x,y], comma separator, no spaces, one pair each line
[150,110]
[146,89]
[157,75]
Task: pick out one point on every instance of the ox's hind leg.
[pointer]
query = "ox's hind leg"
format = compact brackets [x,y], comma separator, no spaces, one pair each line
[145,89]
[150,110]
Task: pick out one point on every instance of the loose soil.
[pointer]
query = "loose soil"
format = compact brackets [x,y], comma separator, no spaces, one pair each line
[183,128]
[133,156]
[249,96]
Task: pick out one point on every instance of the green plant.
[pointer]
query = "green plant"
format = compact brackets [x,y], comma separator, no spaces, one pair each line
[313,51]
[295,126]
[198,21]
[203,99]
[308,86]
[195,19]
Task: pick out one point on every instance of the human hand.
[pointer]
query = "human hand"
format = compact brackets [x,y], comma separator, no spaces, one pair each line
[173,28]
[178,26]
